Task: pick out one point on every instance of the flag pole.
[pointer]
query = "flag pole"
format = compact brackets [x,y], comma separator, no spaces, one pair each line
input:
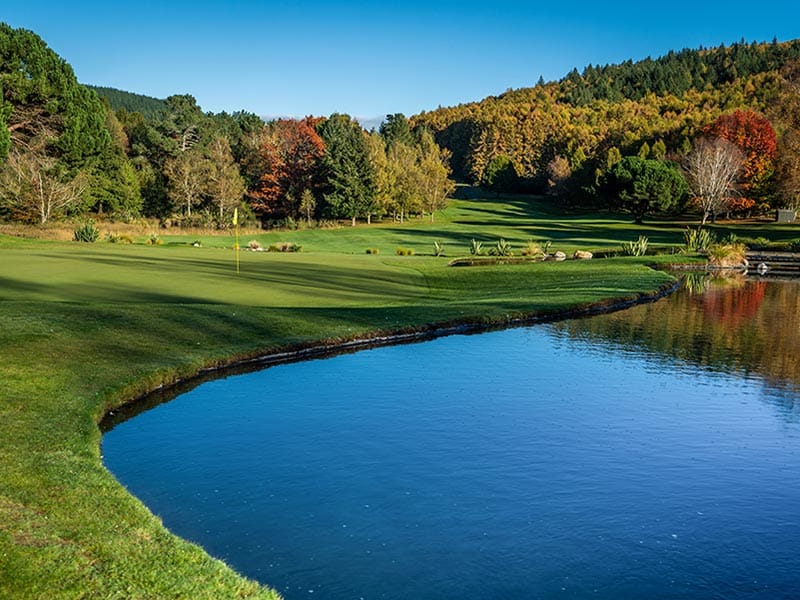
[236,224]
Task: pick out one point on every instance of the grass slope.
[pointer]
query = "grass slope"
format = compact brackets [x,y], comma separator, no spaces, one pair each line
[86,327]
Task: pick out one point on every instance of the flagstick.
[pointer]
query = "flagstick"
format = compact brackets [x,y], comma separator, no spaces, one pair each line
[236,223]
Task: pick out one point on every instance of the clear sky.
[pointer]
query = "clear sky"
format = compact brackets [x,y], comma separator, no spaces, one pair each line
[370,59]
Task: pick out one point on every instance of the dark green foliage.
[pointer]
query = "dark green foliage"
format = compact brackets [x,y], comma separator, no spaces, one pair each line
[5,134]
[396,129]
[347,168]
[643,186]
[150,108]
[676,72]
[500,175]
[49,106]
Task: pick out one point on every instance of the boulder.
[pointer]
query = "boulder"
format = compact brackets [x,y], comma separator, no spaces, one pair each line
[559,256]
[582,255]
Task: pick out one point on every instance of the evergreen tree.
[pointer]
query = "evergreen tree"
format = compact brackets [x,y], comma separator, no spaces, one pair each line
[348,171]
[642,186]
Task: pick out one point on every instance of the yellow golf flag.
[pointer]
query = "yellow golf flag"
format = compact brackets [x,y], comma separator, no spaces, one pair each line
[235,216]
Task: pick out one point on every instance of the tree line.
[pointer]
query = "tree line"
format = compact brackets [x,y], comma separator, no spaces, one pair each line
[562,138]
[64,151]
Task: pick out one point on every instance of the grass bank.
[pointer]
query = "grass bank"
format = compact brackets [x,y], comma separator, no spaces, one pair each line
[84,328]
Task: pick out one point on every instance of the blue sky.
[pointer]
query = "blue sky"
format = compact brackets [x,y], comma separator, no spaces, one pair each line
[369,59]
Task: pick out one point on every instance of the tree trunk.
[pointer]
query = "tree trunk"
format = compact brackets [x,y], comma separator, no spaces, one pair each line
[353,223]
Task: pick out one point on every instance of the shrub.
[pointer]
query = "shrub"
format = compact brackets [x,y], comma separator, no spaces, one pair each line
[154,240]
[793,245]
[475,248]
[532,248]
[285,247]
[373,251]
[501,248]
[698,239]
[404,251]
[760,243]
[637,248]
[87,232]
[118,238]
[255,246]
[438,248]
[726,255]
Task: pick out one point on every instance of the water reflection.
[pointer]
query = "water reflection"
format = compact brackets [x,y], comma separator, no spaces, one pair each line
[725,323]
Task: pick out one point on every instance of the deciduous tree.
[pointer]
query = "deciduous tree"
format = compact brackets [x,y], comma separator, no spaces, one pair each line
[36,188]
[755,137]
[225,186]
[291,162]
[712,171]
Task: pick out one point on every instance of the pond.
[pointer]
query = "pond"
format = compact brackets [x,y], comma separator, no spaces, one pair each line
[651,453]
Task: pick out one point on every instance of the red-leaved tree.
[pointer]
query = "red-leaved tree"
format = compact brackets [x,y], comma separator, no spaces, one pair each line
[291,152]
[755,137]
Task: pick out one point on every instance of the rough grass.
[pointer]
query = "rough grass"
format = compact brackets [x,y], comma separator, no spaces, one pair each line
[84,327]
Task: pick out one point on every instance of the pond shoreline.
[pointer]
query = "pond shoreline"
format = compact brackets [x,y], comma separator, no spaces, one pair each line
[405,335]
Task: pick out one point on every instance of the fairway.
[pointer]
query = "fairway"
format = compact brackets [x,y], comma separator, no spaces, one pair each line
[84,327]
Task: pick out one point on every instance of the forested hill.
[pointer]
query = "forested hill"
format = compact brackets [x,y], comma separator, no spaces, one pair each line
[575,124]
[149,107]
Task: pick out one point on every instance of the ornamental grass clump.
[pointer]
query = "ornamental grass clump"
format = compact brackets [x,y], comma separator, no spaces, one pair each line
[698,239]
[255,246]
[532,249]
[285,247]
[637,248]
[475,247]
[118,238]
[438,248]
[727,256]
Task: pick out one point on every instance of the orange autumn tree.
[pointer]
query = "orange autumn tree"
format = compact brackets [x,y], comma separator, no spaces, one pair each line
[291,151]
[755,137]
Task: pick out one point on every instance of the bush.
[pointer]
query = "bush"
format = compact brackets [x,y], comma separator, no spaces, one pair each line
[533,249]
[760,243]
[154,240]
[285,247]
[726,255]
[793,245]
[698,239]
[87,232]
[438,248]
[475,247]
[118,238]
[637,248]
[404,251]
[373,251]
[501,248]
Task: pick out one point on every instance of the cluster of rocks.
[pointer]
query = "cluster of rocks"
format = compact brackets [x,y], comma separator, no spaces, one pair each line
[559,256]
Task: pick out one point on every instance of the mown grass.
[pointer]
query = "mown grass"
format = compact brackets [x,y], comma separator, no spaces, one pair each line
[84,327]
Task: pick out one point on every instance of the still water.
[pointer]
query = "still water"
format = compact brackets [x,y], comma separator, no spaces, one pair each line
[653,453]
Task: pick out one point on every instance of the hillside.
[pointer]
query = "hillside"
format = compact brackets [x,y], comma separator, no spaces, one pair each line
[148,106]
[585,118]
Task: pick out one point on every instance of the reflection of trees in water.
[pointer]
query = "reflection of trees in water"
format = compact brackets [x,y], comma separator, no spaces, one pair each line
[744,325]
